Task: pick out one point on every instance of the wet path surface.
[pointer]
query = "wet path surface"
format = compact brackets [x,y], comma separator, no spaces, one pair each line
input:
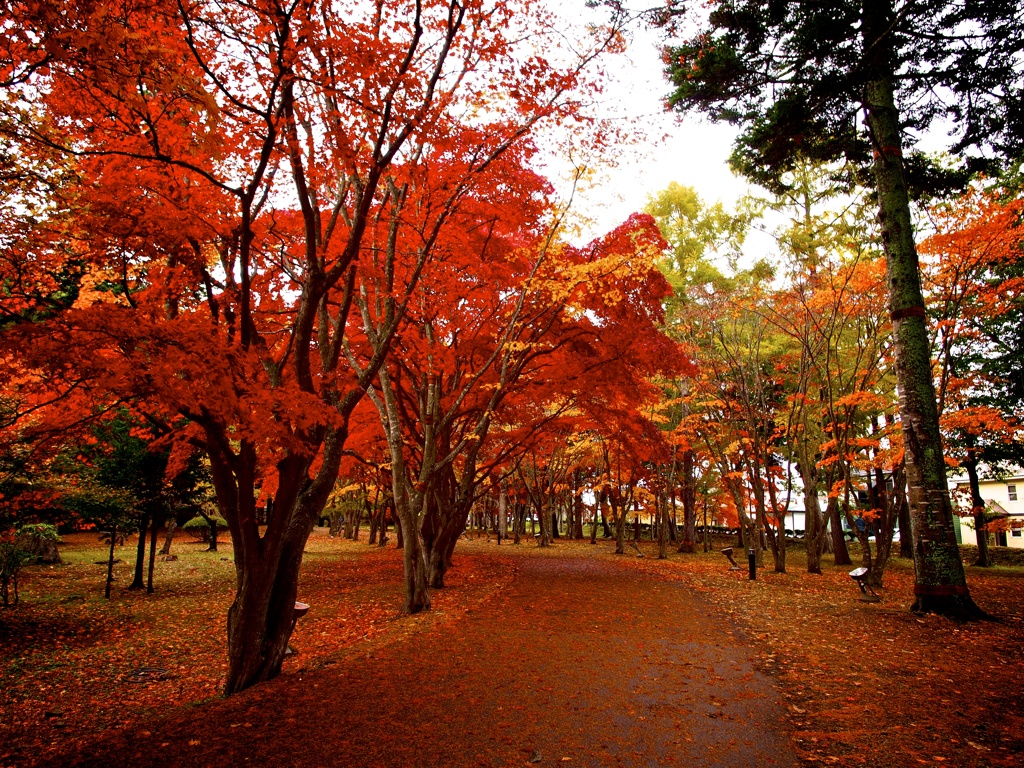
[579,662]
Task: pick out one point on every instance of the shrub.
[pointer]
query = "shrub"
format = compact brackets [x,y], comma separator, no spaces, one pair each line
[12,558]
[40,541]
[199,529]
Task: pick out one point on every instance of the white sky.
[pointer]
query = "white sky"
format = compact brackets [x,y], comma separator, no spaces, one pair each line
[691,151]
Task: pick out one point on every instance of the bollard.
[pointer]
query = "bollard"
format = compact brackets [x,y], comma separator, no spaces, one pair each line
[752,562]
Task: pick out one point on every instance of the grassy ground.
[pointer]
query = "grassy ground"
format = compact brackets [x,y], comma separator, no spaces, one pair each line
[866,684]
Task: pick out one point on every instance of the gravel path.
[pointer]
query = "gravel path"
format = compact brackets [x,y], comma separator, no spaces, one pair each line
[579,662]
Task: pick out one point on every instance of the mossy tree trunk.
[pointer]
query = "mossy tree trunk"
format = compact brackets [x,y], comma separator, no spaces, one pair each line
[940,582]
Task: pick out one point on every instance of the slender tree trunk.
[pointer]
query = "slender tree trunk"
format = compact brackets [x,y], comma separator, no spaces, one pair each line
[940,581]
[502,511]
[138,582]
[385,508]
[374,524]
[417,598]
[978,509]
[777,533]
[620,527]
[110,562]
[903,517]
[663,528]
[689,504]
[152,556]
[706,536]
[885,525]
[754,465]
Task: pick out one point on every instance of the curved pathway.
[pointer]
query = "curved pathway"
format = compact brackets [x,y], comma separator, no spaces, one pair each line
[581,661]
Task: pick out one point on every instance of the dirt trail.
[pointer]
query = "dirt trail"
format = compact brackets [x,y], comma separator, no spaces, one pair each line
[580,662]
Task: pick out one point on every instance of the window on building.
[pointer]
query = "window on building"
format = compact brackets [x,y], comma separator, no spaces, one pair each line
[1012,491]
[1016,533]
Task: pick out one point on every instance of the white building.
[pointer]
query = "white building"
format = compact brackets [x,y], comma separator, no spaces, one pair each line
[1004,501]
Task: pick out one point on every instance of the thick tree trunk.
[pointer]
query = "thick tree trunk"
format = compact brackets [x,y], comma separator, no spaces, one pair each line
[437,564]
[940,581]
[172,525]
[261,618]
[441,529]
[267,562]
[414,564]
[814,521]
[543,521]
[620,527]
[840,554]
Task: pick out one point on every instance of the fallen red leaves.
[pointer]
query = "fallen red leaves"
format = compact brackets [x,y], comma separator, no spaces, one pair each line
[873,684]
[70,661]
[863,684]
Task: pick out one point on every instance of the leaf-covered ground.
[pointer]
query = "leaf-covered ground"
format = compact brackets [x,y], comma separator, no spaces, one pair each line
[73,665]
[871,684]
[569,652]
